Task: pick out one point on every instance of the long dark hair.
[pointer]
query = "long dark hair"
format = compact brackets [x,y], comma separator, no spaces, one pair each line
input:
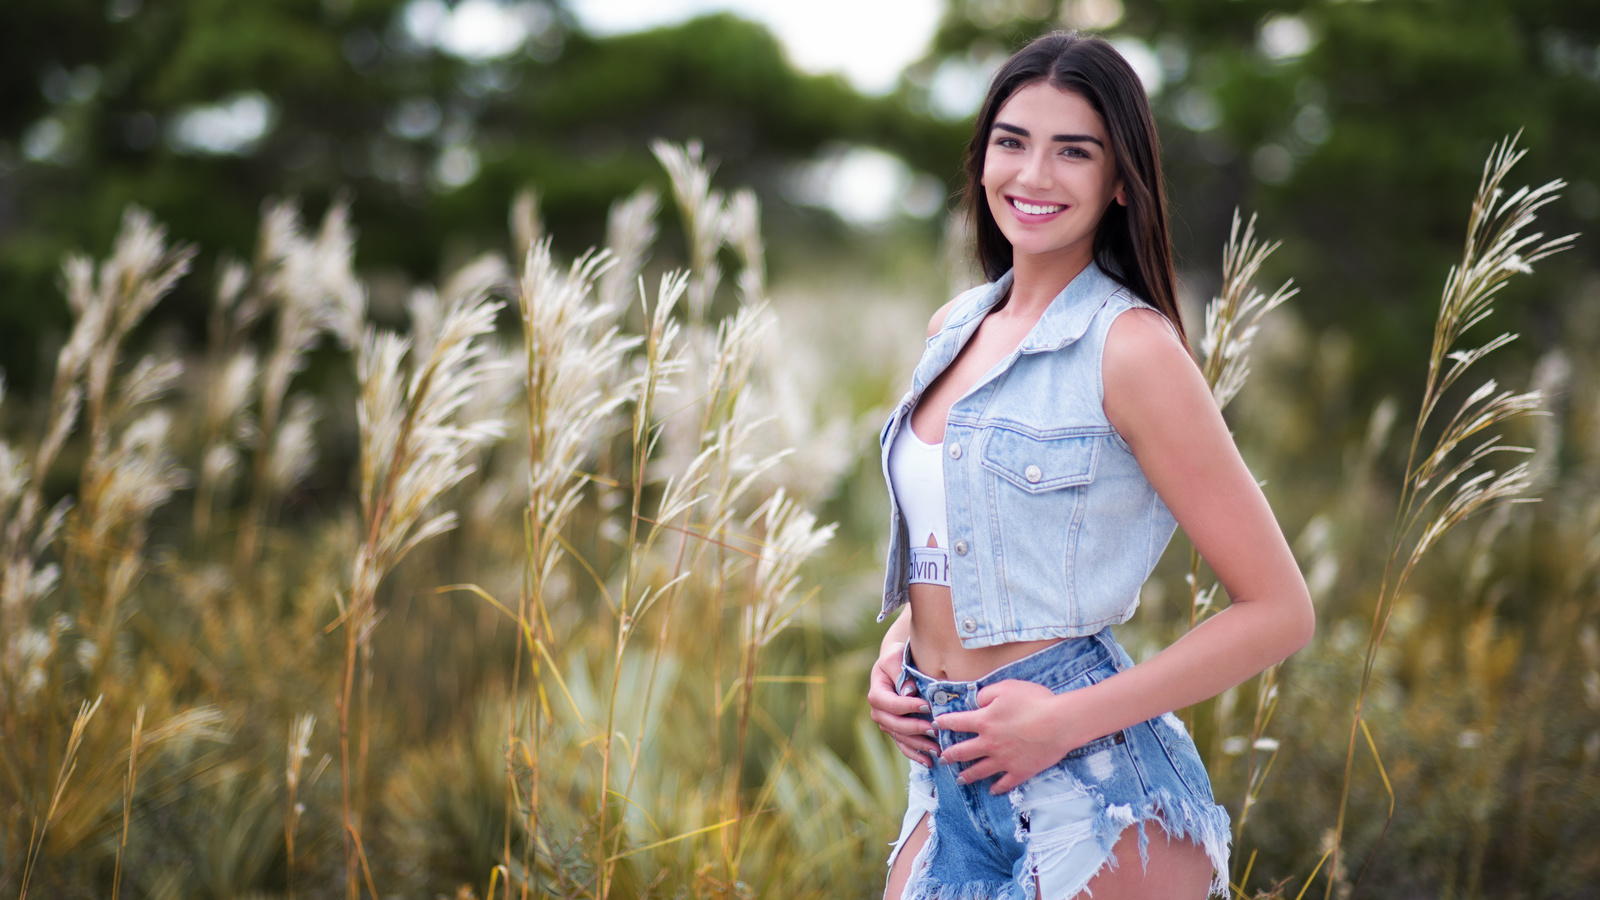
[1132,244]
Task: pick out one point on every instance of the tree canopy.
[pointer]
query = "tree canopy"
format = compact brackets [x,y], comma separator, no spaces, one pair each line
[1355,128]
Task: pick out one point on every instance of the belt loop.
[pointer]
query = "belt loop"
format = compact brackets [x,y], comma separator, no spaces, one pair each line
[1109,644]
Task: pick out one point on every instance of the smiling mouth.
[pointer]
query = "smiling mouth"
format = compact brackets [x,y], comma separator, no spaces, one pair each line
[1035,209]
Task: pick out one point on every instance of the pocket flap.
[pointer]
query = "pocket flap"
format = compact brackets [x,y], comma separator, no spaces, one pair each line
[1037,465]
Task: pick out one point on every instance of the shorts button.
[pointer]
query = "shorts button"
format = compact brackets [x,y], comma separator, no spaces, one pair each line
[969,624]
[960,547]
[1033,474]
[955,451]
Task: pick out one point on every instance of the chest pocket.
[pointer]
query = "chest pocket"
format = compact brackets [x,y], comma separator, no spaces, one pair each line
[1039,465]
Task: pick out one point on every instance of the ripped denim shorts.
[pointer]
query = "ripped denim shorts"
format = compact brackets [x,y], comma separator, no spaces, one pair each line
[1055,830]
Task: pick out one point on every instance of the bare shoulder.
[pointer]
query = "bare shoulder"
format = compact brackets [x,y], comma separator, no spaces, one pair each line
[939,315]
[1149,377]
[1141,340]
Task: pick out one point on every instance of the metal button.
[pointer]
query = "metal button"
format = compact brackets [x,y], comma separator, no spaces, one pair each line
[955,451]
[1033,474]
[943,697]
[960,547]
[969,624]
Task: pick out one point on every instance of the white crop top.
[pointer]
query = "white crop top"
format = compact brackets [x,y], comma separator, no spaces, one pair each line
[916,472]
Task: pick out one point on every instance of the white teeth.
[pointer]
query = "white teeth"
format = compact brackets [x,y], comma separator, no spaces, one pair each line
[1032,210]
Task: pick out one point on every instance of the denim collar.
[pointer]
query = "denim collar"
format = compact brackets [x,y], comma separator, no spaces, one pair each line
[1065,320]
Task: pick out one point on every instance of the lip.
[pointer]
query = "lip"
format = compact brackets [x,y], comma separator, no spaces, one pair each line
[1026,216]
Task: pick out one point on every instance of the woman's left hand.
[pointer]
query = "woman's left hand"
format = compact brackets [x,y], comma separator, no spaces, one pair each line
[1016,734]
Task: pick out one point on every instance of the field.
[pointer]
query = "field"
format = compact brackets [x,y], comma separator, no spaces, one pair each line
[556,579]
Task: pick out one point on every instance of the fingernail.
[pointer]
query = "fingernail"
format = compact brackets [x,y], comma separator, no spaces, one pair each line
[931,733]
[926,708]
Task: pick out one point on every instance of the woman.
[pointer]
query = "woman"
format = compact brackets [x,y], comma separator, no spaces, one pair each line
[1056,430]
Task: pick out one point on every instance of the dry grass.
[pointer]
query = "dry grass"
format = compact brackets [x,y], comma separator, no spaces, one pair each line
[635,684]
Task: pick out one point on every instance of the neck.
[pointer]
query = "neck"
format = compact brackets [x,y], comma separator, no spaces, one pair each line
[1036,280]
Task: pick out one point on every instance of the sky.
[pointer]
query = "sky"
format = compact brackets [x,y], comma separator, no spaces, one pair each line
[867,41]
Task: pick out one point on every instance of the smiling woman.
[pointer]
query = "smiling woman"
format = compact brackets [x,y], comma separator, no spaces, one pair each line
[1056,432]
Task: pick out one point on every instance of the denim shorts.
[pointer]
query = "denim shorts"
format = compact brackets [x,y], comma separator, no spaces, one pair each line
[1056,829]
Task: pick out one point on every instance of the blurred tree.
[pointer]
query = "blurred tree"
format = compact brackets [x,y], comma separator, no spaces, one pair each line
[430,115]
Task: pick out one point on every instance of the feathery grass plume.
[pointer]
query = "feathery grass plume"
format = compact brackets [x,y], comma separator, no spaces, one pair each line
[704,219]
[414,448]
[69,765]
[630,232]
[663,361]
[742,231]
[106,304]
[128,787]
[572,357]
[790,537]
[1442,486]
[309,284]
[225,424]
[526,229]
[121,487]
[1233,319]
[298,750]
[228,384]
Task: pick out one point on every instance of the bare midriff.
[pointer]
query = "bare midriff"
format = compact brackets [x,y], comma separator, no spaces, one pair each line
[935,644]
[937,649]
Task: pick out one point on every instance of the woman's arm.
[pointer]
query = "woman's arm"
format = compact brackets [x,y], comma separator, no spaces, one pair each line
[1160,404]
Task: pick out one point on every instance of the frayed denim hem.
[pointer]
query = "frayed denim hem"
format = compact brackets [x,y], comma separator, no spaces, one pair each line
[1061,860]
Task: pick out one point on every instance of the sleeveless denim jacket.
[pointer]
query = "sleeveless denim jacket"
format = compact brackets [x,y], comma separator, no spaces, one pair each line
[1053,527]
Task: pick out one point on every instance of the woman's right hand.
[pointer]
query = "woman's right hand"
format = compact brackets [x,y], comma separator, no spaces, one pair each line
[896,714]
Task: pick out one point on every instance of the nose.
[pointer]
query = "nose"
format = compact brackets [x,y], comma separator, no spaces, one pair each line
[1035,173]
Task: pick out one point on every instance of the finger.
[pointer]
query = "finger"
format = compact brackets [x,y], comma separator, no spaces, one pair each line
[1006,783]
[900,706]
[918,743]
[965,751]
[970,722]
[914,755]
[991,692]
[979,770]
[904,726]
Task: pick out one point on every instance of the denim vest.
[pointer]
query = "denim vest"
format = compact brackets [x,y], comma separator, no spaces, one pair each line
[1053,526]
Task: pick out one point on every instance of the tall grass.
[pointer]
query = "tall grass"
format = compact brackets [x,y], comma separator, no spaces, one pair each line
[643,675]
[1446,482]
[1232,322]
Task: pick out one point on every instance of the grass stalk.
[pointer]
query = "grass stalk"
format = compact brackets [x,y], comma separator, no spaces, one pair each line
[69,765]
[128,786]
[1496,248]
[1233,319]
[299,748]
[414,448]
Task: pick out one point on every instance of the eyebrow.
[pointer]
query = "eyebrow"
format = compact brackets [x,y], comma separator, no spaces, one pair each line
[1058,138]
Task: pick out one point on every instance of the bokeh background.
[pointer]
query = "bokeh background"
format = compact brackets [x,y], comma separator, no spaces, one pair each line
[1356,130]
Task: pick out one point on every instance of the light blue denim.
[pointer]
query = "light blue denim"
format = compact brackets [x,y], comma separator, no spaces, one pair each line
[1055,831]
[1053,526]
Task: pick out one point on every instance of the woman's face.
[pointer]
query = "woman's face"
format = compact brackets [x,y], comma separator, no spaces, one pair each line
[1049,175]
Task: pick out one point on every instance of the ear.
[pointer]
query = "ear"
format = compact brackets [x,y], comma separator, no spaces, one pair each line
[1121,196]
